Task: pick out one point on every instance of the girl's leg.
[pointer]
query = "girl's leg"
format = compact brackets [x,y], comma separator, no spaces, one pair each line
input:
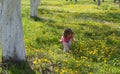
[65,46]
[69,44]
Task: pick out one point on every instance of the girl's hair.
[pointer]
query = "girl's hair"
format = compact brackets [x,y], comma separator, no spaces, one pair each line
[67,32]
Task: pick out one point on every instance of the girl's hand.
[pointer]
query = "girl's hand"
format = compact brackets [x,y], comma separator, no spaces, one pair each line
[75,41]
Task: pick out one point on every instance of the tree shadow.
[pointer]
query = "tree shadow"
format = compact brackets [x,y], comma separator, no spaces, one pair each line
[51,22]
[108,16]
[39,19]
[77,16]
[16,68]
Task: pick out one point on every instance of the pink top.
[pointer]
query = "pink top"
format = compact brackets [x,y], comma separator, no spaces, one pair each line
[63,39]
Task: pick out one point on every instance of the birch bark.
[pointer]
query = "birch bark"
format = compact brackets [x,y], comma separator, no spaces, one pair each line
[34,8]
[13,47]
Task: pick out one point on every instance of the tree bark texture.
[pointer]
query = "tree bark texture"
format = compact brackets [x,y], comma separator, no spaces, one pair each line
[98,3]
[34,8]
[13,47]
[0,25]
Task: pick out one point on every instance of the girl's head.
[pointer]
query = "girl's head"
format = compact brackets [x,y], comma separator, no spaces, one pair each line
[67,32]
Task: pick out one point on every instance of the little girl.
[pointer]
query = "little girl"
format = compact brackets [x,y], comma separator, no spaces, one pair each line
[66,39]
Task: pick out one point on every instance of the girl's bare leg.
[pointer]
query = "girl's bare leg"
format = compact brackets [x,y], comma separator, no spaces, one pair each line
[65,46]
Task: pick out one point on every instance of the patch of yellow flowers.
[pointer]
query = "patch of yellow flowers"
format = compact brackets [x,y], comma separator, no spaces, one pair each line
[42,60]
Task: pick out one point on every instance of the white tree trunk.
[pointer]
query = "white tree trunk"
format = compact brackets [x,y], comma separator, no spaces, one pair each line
[0,7]
[13,47]
[34,8]
[0,25]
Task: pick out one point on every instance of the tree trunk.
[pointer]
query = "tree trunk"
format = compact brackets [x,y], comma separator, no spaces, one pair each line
[13,48]
[98,3]
[1,2]
[75,0]
[115,1]
[0,25]
[0,7]
[34,8]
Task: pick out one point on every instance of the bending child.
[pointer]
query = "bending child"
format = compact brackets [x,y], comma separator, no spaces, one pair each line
[66,39]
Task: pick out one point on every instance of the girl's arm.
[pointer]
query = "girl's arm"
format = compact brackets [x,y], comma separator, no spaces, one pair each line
[74,40]
[62,39]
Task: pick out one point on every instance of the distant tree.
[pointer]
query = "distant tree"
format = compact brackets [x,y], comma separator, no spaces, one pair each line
[95,0]
[98,3]
[115,1]
[67,0]
[34,8]
[75,0]
[13,48]
[71,0]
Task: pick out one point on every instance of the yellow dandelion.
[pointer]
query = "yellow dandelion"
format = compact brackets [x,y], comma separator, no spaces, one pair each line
[77,61]
[90,73]
[39,60]
[35,62]
[63,70]
[88,65]
[57,69]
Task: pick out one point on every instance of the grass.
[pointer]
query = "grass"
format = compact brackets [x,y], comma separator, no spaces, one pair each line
[96,30]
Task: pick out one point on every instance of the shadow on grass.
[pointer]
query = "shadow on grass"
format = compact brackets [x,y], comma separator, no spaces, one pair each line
[49,4]
[16,68]
[108,16]
[62,14]
[51,11]
[39,19]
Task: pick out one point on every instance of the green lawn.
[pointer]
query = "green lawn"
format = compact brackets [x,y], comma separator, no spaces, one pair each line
[96,29]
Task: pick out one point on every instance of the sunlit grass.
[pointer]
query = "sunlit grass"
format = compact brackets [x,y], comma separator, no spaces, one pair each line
[96,30]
